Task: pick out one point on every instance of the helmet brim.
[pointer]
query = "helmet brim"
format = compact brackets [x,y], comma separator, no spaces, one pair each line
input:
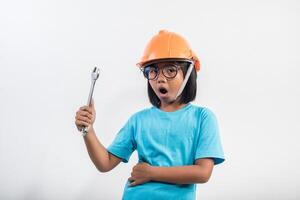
[142,65]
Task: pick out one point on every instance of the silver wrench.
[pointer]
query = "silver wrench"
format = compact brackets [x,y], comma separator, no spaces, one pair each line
[94,77]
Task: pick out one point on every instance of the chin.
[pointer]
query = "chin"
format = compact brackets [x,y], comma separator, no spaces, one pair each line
[166,100]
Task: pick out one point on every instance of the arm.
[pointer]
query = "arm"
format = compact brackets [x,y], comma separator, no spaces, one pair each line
[102,159]
[200,172]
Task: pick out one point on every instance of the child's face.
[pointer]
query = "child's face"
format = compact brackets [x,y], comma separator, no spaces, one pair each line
[166,88]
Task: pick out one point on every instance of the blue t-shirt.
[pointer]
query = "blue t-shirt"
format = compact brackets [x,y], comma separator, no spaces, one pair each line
[168,139]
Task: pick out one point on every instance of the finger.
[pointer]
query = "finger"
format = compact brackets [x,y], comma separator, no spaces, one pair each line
[85,119]
[130,179]
[136,167]
[90,110]
[85,114]
[132,184]
[86,108]
[83,107]
[82,123]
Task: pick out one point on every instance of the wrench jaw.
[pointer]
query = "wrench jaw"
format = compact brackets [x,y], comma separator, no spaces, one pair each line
[95,74]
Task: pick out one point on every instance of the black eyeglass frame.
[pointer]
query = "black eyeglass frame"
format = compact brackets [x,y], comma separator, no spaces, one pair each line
[175,60]
[173,66]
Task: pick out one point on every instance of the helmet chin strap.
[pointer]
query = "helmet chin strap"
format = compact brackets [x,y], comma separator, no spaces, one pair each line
[187,76]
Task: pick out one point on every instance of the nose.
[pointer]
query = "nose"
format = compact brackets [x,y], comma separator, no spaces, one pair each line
[160,77]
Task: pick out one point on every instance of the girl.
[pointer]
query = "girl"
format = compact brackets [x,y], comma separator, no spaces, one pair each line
[178,143]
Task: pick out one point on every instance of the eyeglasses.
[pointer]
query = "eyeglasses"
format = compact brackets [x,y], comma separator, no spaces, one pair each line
[168,70]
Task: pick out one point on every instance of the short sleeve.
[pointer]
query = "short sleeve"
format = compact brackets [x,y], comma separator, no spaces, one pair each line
[124,144]
[209,142]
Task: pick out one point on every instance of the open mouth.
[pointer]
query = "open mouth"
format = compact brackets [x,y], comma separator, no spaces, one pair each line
[163,90]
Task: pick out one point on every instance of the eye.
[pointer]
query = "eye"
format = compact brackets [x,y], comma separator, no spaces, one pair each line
[170,69]
[150,72]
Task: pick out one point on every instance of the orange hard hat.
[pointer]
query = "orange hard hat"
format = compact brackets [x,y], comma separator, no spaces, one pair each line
[168,46]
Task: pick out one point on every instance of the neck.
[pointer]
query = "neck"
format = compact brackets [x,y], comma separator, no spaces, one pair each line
[171,107]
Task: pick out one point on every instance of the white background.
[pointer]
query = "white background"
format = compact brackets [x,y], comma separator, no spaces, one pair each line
[249,52]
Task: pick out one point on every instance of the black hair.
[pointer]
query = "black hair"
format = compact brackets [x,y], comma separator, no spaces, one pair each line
[189,92]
